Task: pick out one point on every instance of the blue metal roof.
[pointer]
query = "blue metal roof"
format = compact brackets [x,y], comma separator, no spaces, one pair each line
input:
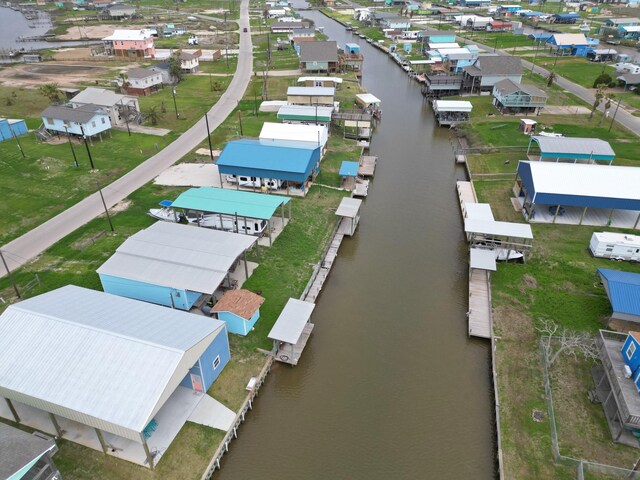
[230,202]
[567,15]
[623,289]
[541,37]
[349,169]
[282,160]
[166,203]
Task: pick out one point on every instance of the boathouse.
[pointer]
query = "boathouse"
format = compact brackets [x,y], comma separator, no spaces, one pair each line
[570,149]
[349,213]
[246,207]
[578,194]
[623,290]
[305,114]
[452,112]
[239,309]
[175,265]
[311,96]
[113,374]
[273,164]
[291,331]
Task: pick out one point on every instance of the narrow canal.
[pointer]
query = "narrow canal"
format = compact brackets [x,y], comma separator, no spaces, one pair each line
[389,386]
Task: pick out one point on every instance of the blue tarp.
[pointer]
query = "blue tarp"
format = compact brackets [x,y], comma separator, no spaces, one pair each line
[349,169]
[623,289]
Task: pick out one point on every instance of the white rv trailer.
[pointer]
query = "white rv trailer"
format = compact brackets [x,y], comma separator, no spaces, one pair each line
[255,182]
[616,246]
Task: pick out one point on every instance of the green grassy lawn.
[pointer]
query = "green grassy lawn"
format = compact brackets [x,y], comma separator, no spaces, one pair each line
[576,69]
[499,40]
[284,59]
[220,66]
[21,102]
[194,96]
[338,150]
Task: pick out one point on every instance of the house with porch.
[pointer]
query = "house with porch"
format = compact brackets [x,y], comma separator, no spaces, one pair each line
[26,455]
[489,70]
[113,374]
[512,97]
[319,57]
[622,22]
[142,81]
[89,120]
[131,44]
[119,107]
[190,62]
[239,310]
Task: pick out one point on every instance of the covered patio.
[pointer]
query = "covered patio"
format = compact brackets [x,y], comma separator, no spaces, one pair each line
[579,194]
[291,331]
[570,149]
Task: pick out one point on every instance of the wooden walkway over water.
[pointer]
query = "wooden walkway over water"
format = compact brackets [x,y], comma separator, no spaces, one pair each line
[324,268]
[479,314]
[367,165]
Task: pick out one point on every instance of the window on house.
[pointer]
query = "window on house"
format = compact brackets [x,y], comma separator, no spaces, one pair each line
[103,121]
[216,362]
[50,121]
[631,350]
[93,124]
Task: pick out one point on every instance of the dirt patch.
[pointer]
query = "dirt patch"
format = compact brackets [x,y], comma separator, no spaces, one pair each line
[120,206]
[65,75]
[514,322]
[537,415]
[90,32]
[86,241]
[621,326]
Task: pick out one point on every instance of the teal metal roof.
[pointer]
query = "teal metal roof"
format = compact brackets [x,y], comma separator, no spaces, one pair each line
[304,112]
[349,169]
[230,202]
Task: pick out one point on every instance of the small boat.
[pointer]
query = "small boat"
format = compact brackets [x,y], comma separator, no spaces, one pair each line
[165,212]
[362,36]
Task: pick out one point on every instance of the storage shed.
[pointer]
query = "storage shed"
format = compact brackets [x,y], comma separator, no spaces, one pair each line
[623,290]
[311,96]
[11,128]
[174,265]
[305,114]
[111,373]
[239,309]
[585,150]
[579,193]
[289,165]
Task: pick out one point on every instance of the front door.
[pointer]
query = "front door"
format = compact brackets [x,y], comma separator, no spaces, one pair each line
[196,383]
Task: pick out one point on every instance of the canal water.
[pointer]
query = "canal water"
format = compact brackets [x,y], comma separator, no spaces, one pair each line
[389,385]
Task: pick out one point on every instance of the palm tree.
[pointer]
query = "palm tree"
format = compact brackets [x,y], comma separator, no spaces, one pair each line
[599,96]
[51,91]
[124,81]
[153,115]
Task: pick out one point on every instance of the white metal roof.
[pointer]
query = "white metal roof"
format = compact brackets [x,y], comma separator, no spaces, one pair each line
[479,211]
[178,256]
[316,134]
[368,98]
[611,237]
[421,62]
[312,91]
[452,106]
[574,145]
[306,110]
[528,121]
[443,46]
[291,322]
[129,35]
[587,180]
[565,39]
[102,360]
[501,229]
[482,259]
[99,96]
[632,28]
[320,79]
[349,207]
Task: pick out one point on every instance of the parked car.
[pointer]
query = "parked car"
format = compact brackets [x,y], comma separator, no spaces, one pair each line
[244,29]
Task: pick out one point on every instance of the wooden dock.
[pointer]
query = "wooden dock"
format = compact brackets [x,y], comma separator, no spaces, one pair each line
[291,353]
[367,165]
[324,268]
[479,314]
[361,188]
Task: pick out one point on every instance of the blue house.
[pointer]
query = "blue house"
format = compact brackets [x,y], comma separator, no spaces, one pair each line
[88,119]
[508,10]
[175,265]
[10,128]
[352,49]
[239,309]
[631,355]
[623,290]
[575,44]
[271,163]
[437,38]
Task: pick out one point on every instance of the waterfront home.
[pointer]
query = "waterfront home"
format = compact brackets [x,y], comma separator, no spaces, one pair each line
[319,57]
[579,194]
[351,58]
[142,81]
[119,107]
[26,455]
[190,62]
[512,97]
[622,22]
[617,383]
[111,373]
[272,164]
[287,27]
[442,85]
[623,290]
[11,128]
[312,135]
[311,96]
[131,44]
[239,309]
[176,265]
[572,149]
[306,114]
[451,112]
[390,20]
[574,44]
[321,81]
[489,70]
[456,59]
[86,120]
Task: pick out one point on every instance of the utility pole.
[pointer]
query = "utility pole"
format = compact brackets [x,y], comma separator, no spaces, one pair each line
[206,119]
[17,141]
[614,114]
[175,104]
[104,204]
[87,147]
[226,43]
[73,152]
[13,282]
[240,118]
[126,119]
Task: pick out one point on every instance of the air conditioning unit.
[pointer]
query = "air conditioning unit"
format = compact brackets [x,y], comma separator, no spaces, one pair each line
[627,372]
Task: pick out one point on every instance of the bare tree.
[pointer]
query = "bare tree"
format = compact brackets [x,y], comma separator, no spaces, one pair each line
[559,340]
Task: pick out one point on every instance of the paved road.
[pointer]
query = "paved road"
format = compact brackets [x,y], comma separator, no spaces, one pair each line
[623,117]
[31,244]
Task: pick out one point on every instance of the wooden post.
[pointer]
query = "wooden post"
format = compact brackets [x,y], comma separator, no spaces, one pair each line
[246,268]
[582,216]
[556,214]
[55,424]
[147,452]
[13,410]
[289,210]
[101,439]
[637,220]
[270,234]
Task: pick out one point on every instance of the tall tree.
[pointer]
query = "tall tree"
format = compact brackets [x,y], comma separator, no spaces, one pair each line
[175,67]
[600,94]
[153,114]
[51,91]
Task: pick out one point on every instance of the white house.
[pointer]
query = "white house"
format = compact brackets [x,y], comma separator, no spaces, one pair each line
[114,103]
[87,120]
[189,62]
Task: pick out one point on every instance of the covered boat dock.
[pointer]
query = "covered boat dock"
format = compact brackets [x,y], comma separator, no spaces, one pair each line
[291,331]
[354,123]
[349,213]
[481,263]
[244,207]
[451,112]
[507,238]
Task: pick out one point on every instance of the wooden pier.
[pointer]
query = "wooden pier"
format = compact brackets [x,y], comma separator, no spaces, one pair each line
[367,166]
[323,269]
[479,314]
[361,188]
[288,353]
